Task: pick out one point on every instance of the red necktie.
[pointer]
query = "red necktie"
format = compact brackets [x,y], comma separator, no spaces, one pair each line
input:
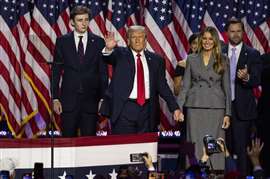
[140,82]
[81,49]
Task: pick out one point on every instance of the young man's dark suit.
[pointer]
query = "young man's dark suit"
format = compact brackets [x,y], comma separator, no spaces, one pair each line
[244,107]
[83,84]
[117,95]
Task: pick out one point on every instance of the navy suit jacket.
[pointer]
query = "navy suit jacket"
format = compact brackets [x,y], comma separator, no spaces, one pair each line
[91,73]
[122,83]
[245,100]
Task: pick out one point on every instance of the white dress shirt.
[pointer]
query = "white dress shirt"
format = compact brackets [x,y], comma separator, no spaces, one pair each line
[133,94]
[77,39]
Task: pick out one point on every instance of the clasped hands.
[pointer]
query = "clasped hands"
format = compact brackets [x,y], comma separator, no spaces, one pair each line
[243,74]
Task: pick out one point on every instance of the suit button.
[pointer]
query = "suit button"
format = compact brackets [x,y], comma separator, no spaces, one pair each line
[200,86]
[209,86]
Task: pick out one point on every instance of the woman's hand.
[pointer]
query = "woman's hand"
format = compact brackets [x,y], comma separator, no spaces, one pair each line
[182,63]
[226,122]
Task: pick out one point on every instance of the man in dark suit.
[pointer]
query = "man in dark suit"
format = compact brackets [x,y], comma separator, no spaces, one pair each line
[245,69]
[78,55]
[139,78]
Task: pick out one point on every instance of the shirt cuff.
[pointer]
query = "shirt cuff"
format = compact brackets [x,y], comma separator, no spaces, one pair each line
[258,167]
[152,168]
[106,53]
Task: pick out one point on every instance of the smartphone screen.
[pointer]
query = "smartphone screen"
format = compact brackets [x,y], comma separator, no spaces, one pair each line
[137,157]
[4,174]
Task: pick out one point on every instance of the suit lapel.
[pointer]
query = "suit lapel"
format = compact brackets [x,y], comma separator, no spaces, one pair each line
[211,62]
[150,65]
[73,50]
[200,63]
[72,43]
[242,58]
[205,70]
[131,65]
[89,52]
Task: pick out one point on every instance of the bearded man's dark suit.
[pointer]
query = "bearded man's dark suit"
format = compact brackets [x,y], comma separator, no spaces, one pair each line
[117,95]
[83,83]
[244,107]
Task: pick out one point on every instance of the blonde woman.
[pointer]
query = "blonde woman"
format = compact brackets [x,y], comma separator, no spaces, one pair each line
[206,93]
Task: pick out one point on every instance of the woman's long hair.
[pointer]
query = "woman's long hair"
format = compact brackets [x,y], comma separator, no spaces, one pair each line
[218,65]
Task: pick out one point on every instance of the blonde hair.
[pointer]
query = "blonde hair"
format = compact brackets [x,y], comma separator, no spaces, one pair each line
[218,65]
[135,28]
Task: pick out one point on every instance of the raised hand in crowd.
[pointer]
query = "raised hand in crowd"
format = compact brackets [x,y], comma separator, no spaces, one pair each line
[148,162]
[223,147]
[254,155]
[221,142]
[254,151]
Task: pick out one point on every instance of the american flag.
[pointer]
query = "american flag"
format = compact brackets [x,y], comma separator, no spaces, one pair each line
[121,14]
[28,34]
[50,19]
[162,38]
[18,100]
[30,37]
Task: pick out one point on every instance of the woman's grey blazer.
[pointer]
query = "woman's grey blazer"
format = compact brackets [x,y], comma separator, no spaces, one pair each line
[203,87]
